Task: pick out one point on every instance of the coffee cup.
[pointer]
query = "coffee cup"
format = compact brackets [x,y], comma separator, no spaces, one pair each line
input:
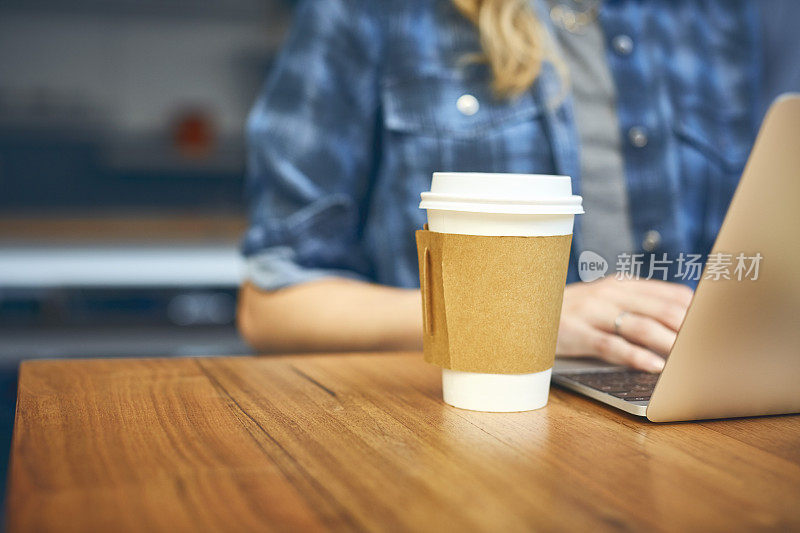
[493,261]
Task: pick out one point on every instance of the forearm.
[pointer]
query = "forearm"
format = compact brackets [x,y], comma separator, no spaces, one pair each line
[332,314]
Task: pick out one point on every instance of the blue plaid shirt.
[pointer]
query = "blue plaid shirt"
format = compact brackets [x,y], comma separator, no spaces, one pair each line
[360,109]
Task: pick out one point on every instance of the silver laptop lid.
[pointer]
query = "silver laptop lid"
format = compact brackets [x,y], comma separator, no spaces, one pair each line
[738,351]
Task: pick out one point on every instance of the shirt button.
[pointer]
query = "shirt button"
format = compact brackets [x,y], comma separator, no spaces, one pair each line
[467,104]
[622,44]
[637,135]
[651,240]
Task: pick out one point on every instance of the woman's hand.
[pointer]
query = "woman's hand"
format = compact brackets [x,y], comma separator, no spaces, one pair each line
[623,322]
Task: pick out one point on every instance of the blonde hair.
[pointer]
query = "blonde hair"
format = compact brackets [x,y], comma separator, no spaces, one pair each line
[515,43]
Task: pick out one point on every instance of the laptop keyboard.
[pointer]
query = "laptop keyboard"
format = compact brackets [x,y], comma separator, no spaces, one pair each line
[627,385]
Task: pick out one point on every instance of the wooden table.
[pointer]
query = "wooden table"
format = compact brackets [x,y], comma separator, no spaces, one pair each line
[363,442]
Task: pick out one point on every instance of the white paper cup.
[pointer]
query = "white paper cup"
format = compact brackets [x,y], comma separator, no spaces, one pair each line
[527,205]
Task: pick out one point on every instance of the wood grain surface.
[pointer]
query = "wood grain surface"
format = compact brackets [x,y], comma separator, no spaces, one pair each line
[363,442]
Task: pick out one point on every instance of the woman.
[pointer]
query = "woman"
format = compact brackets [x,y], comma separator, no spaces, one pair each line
[647,105]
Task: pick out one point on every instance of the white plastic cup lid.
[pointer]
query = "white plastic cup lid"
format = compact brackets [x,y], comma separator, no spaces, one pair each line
[502,193]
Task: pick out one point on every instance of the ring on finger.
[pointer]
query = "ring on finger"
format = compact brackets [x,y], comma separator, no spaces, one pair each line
[618,322]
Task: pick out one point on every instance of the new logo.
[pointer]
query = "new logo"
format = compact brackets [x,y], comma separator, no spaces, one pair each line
[591,266]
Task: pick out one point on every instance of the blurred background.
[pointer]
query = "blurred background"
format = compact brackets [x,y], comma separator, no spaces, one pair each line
[121,176]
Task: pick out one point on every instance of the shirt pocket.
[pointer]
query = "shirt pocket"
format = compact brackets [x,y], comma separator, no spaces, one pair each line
[715,140]
[712,152]
[440,106]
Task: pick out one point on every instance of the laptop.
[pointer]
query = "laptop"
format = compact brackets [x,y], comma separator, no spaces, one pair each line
[738,350]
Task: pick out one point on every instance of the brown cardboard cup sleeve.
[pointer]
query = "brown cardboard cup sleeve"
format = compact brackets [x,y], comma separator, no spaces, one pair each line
[491,304]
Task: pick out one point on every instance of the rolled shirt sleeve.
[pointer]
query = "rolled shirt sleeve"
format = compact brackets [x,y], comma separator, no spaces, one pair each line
[310,149]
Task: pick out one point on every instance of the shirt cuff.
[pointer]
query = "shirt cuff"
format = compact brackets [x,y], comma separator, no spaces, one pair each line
[275,268]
